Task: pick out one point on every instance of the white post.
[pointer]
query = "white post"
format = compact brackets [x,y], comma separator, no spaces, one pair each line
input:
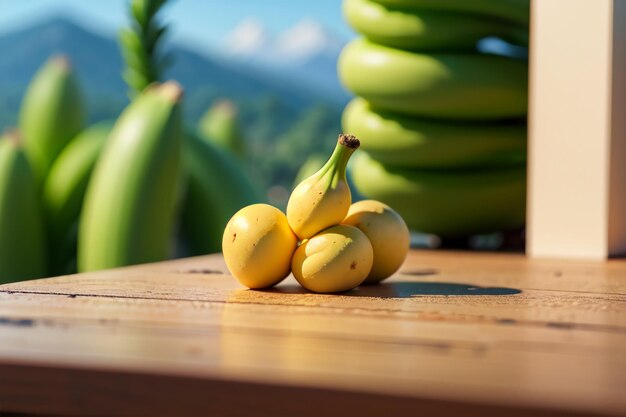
[577,129]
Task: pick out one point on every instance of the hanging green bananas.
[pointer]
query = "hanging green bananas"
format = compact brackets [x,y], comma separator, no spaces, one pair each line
[220,126]
[448,204]
[130,203]
[64,190]
[517,11]
[400,140]
[421,30]
[52,114]
[444,86]
[22,235]
[216,188]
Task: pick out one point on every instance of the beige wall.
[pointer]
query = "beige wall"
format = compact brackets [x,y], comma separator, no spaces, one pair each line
[577,141]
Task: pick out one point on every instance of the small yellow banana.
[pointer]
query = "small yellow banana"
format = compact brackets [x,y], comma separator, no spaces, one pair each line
[323,199]
[337,259]
[386,231]
[258,245]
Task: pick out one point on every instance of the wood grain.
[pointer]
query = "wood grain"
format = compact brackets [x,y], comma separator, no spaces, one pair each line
[451,334]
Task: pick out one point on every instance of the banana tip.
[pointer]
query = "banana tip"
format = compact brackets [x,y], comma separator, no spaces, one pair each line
[349,140]
[14,136]
[62,61]
[171,90]
[226,106]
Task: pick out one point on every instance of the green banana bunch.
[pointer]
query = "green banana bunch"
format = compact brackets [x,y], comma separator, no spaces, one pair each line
[216,188]
[22,238]
[422,30]
[446,203]
[64,191]
[400,140]
[220,126]
[129,208]
[139,46]
[516,11]
[52,114]
[444,86]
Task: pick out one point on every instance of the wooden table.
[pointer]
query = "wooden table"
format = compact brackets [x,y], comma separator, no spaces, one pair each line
[454,334]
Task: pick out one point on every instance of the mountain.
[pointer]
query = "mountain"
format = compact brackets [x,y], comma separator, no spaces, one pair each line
[305,41]
[249,39]
[304,54]
[98,63]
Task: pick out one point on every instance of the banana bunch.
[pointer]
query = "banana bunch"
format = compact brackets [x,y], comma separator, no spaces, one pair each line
[152,176]
[115,193]
[51,115]
[443,125]
[341,245]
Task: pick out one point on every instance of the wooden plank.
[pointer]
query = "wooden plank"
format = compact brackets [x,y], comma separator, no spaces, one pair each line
[577,129]
[435,365]
[449,339]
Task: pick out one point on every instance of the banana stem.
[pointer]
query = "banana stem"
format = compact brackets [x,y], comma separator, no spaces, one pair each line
[338,161]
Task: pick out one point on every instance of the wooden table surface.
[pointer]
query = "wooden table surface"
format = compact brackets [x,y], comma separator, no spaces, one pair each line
[453,334]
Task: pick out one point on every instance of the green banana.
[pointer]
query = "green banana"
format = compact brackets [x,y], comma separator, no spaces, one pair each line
[310,167]
[52,114]
[64,190]
[400,140]
[445,203]
[22,235]
[403,28]
[216,189]
[444,86]
[517,11]
[220,126]
[130,203]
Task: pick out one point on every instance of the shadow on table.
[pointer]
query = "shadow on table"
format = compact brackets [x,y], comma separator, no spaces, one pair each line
[409,289]
[416,289]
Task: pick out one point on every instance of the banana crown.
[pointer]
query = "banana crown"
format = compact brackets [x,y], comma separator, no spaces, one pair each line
[334,170]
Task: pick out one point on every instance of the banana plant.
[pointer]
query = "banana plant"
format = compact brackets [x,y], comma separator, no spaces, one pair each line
[140,46]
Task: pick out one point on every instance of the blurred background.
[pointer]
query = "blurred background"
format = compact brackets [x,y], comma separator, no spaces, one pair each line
[275,60]
[437,96]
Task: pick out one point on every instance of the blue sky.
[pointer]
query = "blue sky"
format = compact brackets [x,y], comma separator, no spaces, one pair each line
[199,22]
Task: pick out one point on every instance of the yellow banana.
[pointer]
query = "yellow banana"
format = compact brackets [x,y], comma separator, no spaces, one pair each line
[386,231]
[323,199]
[258,245]
[337,259]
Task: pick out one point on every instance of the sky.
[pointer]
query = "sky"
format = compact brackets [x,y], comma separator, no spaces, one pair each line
[202,23]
